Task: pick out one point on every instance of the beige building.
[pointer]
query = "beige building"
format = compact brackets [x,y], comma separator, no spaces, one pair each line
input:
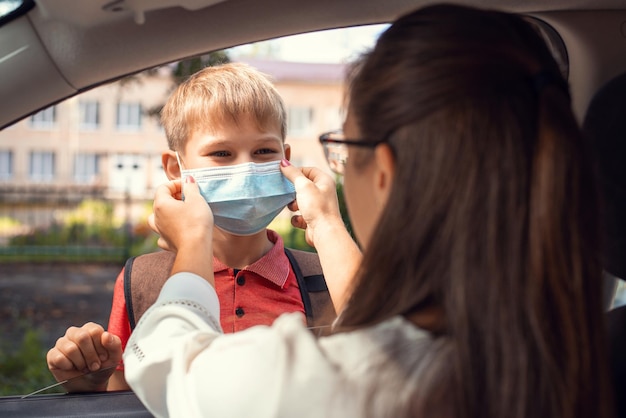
[104,143]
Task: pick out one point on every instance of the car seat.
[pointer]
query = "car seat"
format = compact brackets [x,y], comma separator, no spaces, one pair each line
[605,127]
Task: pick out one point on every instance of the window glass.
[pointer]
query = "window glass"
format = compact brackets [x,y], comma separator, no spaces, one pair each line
[6,165]
[89,115]
[44,119]
[78,180]
[102,151]
[620,294]
[129,116]
[41,168]
[86,168]
[8,6]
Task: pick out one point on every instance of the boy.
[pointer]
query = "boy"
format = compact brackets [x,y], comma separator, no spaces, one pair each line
[223,122]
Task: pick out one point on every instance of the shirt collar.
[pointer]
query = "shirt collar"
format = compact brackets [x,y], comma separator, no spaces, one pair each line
[273,266]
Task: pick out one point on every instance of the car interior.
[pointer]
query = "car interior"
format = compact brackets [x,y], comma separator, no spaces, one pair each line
[53,50]
[605,126]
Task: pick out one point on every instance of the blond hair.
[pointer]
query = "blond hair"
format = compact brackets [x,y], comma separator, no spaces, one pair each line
[221,94]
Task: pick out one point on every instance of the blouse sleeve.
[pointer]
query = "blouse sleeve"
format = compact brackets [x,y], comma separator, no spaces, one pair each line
[180,364]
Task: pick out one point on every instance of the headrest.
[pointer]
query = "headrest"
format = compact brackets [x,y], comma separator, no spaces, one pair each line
[605,127]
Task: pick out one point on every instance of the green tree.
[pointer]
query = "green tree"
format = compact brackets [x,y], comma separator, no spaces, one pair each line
[187,67]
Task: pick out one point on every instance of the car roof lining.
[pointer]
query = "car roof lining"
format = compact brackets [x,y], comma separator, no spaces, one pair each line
[72,45]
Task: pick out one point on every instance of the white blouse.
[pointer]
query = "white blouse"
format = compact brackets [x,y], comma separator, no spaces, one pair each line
[179,363]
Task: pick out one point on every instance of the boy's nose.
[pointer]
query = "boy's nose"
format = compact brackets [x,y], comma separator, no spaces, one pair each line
[242,159]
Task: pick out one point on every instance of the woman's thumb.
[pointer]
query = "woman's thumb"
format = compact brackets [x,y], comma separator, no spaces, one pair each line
[290,172]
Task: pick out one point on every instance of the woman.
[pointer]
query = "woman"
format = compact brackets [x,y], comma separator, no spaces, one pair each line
[478,293]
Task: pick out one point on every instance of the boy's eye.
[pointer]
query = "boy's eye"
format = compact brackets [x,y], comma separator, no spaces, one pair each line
[220,154]
[266,151]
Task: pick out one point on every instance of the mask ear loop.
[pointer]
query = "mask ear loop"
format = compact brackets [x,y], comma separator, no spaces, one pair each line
[180,166]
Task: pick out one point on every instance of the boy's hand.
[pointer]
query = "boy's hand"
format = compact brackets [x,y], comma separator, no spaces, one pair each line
[316,199]
[181,223]
[81,350]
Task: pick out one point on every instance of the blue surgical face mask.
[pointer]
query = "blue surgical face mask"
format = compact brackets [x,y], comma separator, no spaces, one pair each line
[244,198]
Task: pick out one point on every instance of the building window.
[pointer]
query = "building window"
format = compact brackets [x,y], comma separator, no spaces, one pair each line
[89,115]
[44,119]
[41,167]
[86,168]
[299,120]
[6,165]
[129,116]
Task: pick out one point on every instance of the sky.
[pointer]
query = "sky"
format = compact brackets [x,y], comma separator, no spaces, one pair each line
[7,6]
[331,46]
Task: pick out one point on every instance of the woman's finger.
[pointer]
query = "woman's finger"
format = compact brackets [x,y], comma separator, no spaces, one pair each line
[298,222]
[171,188]
[293,206]
[152,224]
[162,243]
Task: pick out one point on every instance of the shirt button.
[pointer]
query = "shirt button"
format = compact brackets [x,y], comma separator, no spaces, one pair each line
[239,312]
[241,280]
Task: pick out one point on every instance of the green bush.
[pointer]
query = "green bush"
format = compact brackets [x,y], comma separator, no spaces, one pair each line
[23,369]
[292,237]
[91,223]
[7,223]
[90,233]
[342,207]
[87,233]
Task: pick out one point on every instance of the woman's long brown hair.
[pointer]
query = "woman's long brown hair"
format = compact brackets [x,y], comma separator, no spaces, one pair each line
[493,217]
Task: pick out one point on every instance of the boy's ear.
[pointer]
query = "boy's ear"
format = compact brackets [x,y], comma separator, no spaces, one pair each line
[287,148]
[170,165]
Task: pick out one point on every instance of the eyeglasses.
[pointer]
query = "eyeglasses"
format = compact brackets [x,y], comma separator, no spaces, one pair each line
[335,146]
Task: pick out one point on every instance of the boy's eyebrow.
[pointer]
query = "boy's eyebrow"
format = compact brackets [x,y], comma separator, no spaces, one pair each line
[271,138]
[224,141]
[229,142]
[217,142]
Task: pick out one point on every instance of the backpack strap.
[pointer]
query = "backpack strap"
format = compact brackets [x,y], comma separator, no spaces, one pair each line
[318,306]
[128,294]
[144,276]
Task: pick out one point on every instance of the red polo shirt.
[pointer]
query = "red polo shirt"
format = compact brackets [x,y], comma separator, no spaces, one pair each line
[255,295]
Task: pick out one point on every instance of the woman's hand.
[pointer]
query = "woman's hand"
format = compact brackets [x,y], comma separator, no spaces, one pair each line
[185,227]
[181,222]
[316,199]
